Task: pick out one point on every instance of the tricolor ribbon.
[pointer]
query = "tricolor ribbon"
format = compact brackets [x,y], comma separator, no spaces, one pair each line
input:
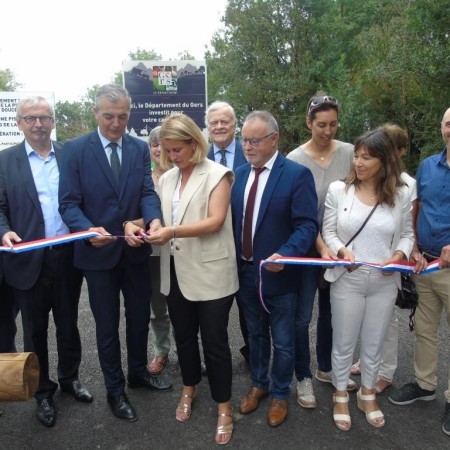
[400,266]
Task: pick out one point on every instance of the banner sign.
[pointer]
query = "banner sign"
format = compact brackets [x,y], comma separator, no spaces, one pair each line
[160,88]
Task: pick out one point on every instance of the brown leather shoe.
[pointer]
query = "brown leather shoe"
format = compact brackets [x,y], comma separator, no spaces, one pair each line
[278,412]
[251,401]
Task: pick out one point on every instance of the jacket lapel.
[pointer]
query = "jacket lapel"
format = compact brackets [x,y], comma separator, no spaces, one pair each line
[26,175]
[275,173]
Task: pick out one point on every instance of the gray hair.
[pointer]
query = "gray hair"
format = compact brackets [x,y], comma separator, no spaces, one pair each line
[264,116]
[113,92]
[153,137]
[215,106]
[33,102]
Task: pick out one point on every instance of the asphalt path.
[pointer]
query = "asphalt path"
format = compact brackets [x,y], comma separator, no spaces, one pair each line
[93,426]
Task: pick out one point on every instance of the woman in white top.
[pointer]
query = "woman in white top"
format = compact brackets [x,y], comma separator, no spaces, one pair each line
[198,263]
[362,298]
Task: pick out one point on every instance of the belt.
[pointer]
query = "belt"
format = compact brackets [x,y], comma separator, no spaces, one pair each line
[429,257]
[246,262]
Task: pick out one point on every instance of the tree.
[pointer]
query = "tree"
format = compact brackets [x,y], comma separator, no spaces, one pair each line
[8,81]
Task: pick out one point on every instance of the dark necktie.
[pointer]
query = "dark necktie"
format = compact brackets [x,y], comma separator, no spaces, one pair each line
[247,241]
[223,158]
[115,161]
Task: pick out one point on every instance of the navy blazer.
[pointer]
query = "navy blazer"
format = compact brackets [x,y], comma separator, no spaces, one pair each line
[239,158]
[287,219]
[90,197]
[20,211]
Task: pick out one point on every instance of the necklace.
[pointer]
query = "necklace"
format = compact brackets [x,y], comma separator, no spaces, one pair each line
[322,158]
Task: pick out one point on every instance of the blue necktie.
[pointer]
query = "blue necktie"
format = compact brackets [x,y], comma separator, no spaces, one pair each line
[115,161]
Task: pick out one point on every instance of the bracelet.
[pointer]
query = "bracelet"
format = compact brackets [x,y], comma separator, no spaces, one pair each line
[127,221]
[174,232]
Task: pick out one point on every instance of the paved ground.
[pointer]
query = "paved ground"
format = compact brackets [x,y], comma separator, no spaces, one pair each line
[92,426]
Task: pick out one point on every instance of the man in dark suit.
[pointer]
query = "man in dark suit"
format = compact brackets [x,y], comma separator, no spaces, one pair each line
[274,205]
[43,280]
[220,119]
[8,313]
[105,184]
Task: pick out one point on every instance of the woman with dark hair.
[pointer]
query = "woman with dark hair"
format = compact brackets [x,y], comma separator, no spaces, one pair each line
[367,218]
[329,160]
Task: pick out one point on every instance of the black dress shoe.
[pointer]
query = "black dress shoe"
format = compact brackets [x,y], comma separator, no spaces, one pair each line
[78,391]
[121,407]
[150,382]
[46,412]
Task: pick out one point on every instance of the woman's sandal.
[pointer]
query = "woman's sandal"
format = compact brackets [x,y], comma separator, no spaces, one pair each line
[381,385]
[184,410]
[375,418]
[157,365]
[356,369]
[225,429]
[342,421]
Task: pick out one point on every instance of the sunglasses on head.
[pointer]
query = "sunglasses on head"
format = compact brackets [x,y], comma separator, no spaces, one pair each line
[316,101]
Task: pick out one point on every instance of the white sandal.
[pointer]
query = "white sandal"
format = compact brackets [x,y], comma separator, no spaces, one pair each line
[340,418]
[370,416]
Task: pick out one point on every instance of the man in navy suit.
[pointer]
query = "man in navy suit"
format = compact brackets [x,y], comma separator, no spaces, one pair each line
[106,186]
[282,222]
[43,280]
[220,119]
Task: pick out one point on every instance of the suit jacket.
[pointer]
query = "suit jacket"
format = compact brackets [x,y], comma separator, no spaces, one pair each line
[205,265]
[287,219]
[239,158]
[20,211]
[90,197]
[336,232]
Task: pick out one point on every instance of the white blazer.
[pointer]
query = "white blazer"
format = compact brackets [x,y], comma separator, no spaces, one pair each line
[206,266]
[336,231]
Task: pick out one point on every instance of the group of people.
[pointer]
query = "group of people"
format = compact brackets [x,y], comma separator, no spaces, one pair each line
[211,213]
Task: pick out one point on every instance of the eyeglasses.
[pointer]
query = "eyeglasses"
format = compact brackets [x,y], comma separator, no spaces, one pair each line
[256,141]
[216,123]
[319,100]
[45,120]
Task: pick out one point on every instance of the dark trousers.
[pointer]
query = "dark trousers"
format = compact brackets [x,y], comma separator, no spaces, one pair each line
[211,317]
[104,286]
[8,313]
[57,290]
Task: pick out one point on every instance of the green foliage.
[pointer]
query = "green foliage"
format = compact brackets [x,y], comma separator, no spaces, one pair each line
[385,60]
[8,81]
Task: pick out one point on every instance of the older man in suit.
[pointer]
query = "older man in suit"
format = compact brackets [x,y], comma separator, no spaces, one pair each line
[274,205]
[105,184]
[43,280]
[221,121]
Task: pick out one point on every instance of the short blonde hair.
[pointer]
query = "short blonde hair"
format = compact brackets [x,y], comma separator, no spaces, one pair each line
[180,127]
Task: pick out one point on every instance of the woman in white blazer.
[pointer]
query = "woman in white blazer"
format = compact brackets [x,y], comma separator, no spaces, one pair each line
[362,298]
[198,263]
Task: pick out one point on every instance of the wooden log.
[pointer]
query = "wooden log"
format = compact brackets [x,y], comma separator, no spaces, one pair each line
[19,376]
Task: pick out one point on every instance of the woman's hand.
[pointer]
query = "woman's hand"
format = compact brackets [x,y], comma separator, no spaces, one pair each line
[417,258]
[160,236]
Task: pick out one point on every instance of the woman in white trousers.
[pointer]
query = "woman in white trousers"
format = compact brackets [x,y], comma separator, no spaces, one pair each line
[362,298]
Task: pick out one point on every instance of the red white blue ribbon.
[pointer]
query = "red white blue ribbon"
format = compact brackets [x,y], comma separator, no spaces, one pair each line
[399,266]
[48,242]
[62,239]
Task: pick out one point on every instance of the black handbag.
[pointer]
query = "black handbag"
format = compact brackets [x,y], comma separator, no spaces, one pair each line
[407,297]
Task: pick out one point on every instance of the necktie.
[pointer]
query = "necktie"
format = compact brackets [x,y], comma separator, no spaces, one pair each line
[115,161]
[247,241]
[223,158]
